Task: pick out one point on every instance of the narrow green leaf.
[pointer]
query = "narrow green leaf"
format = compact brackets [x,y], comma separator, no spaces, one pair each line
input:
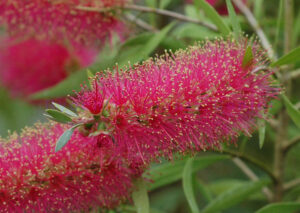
[279,23]
[248,57]
[140,197]
[258,9]
[286,207]
[138,51]
[203,189]
[292,111]
[58,116]
[187,184]
[261,133]
[64,109]
[213,15]
[170,172]
[64,138]
[290,58]
[234,196]
[233,19]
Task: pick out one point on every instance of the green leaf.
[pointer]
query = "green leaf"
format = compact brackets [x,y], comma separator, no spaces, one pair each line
[193,31]
[292,111]
[234,196]
[90,77]
[233,19]
[59,116]
[187,184]
[261,133]
[286,207]
[64,138]
[137,51]
[170,172]
[64,109]
[290,58]
[248,57]
[140,197]
[213,15]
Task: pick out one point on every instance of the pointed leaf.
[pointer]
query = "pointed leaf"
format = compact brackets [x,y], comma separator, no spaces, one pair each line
[64,138]
[59,116]
[90,77]
[187,184]
[248,57]
[286,207]
[64,109]
[290,58]
[234,196]
[213,15]
[140,197]
[292,111]
[233,19]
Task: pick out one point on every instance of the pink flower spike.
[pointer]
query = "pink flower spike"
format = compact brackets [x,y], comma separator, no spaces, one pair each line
[33,178]
[191,100]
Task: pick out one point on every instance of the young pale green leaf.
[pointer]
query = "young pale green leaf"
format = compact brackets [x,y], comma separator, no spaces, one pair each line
[65,110]
[213,15]
[140,197]
[234,196]
[65,137]
[292,111]
[233,19]
[286,207]
[261,133]
[58,116]
[170,172]
[187,184]
[290,58]
[248,57]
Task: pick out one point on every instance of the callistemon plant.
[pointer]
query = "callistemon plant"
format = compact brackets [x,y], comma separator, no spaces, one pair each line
[33,178]
[192,100]
[61,20]
[28,66]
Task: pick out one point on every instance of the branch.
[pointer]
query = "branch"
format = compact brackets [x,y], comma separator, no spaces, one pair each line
[139,8]
[252,21]
[140,23]
[291,184]
[291,143]
[293,74]
[252,176]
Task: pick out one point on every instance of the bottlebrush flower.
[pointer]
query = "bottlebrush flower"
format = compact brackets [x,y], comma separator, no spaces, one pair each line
[189,101]
[60,20]
[33,178]
[32,65]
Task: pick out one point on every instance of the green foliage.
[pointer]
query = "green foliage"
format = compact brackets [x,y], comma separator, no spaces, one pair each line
[140,197]
[170,172]
[234,196]
[58,116]
[286,207]
[290,58]
[187,184]
[248,57]
[233,19]
[213,15]
[65,137]
[292,111]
